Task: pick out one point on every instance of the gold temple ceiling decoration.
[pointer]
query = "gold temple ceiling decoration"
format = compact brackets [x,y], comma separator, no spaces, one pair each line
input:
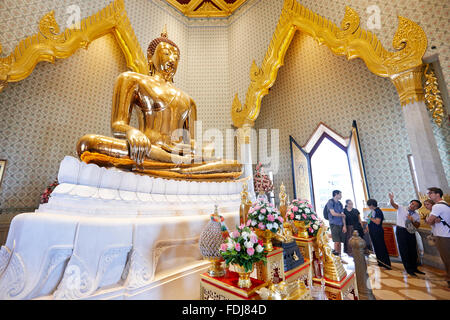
[206,8]
[49,44]
[404,66]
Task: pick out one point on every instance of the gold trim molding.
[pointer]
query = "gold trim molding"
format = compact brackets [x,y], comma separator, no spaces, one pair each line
[49,44]
[206,9]
[349,40]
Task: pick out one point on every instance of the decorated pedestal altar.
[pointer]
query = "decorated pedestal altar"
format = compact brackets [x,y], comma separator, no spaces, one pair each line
[110,234]
[340,290]
[226,287]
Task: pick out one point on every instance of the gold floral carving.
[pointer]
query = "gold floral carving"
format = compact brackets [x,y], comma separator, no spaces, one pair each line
[349,40]
[433,98]
[49,44]
[202,8]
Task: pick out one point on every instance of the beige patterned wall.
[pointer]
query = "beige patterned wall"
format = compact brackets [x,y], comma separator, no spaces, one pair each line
[42,117]
[314,86]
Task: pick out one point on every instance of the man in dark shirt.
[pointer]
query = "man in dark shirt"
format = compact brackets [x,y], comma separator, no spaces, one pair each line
[337,221]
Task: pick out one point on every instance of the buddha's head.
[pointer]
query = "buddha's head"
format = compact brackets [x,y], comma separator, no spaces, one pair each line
[163,56]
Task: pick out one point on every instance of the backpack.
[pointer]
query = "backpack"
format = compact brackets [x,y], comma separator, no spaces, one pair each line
[325,212]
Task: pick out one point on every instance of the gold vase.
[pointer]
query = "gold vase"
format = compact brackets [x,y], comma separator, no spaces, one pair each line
[215,269]
[302,229]
[244,277]
[267,236]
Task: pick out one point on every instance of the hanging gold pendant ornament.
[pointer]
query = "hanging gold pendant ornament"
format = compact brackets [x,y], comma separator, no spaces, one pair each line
[433,99]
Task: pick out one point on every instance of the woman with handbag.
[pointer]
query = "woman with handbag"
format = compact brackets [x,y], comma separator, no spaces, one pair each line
[353,222]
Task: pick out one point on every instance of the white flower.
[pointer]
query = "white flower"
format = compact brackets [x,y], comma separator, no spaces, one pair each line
[275,225]
[259,248]
[245,235]
[307,210]
[253,223]
[297,217]
[261,217]
[248,244]
[269,226]
[315,226]
[230,245]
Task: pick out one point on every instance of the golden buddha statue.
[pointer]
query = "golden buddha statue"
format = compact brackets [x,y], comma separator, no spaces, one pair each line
[164,111]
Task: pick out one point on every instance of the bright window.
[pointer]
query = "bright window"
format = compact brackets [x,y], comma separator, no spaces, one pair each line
[330,171]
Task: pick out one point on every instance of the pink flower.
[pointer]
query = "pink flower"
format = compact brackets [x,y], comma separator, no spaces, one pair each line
[309,206]
[304,216]
[235,234]
[257,207]
[311,230]
[314,217]
[249,222]
[223,247]
[242,226]
[280,219]
[295,209]
[302,201]
[263,210]
[237,246]
[260,242]
[253,238]
[292,216]
[251,210]
[250,251]
[261,226]
[270,217]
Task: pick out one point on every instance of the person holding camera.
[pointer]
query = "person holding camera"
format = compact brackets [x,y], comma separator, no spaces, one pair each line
[408,220]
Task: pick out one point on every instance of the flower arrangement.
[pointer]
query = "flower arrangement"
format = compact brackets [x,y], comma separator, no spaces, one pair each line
[263,215]
[302,210]
[46,195]
[261,180]
[243,248]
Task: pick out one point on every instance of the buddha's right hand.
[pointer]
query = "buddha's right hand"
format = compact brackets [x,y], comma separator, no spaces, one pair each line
[139,145]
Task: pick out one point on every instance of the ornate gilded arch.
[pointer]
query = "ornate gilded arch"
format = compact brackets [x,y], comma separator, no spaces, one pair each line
[404,66]
[49,44]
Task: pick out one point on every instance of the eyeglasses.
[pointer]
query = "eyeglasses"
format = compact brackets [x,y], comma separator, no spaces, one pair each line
[430,192]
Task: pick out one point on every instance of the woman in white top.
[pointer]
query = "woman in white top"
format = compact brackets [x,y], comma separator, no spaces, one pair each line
[439,219]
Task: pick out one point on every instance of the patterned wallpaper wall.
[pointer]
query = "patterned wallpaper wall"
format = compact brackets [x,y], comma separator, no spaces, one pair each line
[315,85]
[311,88]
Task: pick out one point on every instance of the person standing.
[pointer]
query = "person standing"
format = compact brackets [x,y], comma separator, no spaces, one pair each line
[439,219]
[337,221]
[406,241]
[353,222]
[375,226]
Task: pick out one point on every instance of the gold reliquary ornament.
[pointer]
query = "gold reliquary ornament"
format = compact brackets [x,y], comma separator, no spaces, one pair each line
[50,44]
[433,99]
[403,66]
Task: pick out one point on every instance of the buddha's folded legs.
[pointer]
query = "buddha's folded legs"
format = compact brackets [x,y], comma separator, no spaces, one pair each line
[118,148]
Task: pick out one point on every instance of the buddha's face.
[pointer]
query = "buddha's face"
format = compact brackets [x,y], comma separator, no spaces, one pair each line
[165,60]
